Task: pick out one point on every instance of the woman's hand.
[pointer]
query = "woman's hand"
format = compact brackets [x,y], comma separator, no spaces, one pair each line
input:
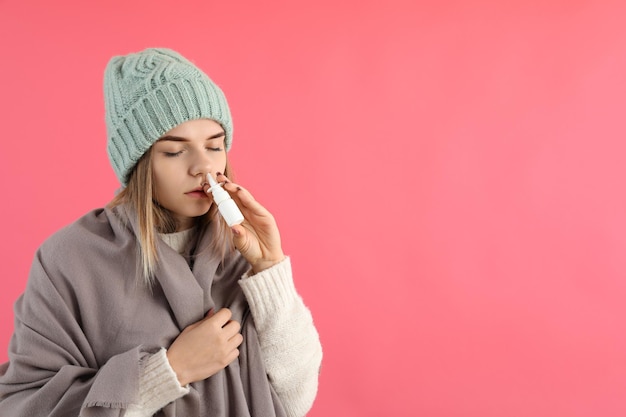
[206,347]
[257,238]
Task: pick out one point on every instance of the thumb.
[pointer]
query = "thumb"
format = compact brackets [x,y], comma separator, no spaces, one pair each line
[240,238]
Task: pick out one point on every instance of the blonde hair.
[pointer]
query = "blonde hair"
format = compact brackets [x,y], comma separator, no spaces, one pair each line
[153,219]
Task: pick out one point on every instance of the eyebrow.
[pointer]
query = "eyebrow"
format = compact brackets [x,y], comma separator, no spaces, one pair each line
[183,139]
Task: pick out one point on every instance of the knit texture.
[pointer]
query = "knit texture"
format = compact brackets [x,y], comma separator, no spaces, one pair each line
[178,240]
[289,341]
[158,386]
[150,92]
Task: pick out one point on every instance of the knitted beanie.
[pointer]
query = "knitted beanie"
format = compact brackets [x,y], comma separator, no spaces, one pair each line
[150,92]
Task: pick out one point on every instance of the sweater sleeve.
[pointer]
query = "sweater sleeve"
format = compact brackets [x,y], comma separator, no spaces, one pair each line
[158,386]
[289,340]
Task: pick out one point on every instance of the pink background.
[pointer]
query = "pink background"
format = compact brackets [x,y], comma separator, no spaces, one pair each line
[448,177]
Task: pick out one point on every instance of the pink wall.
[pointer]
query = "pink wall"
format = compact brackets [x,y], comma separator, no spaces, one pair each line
[448,177]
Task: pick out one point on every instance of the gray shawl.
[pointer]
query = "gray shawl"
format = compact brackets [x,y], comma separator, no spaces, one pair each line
[85,323]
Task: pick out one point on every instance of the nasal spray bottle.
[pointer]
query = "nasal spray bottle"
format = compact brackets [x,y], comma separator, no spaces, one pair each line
[226,205]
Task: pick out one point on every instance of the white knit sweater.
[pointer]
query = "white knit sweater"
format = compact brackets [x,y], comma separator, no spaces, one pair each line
[289,343]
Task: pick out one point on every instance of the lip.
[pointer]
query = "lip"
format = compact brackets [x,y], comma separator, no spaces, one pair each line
[197,193]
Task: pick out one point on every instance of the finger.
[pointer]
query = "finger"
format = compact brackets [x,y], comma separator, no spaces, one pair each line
[221,317]
[243,197]
[233,355]
[236,340]
[232,188]
[240,237]
[248,205]
[231,328]
[221,178]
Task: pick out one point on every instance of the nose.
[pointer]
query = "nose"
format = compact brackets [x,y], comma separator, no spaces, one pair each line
[201,165]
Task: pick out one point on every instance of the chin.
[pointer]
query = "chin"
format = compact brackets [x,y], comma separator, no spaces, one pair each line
[199,213]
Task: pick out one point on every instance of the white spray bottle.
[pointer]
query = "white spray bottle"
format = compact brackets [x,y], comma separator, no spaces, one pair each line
[226,205]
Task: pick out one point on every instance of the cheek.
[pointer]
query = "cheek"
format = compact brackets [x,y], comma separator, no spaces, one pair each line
[163,184]
[157,180]
[157,189]
[165,175]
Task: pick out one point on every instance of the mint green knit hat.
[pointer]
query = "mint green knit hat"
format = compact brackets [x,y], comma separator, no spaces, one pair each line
[150,92]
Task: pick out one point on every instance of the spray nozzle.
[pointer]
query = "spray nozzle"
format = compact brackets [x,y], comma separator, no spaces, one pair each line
[225,204]
[212,182]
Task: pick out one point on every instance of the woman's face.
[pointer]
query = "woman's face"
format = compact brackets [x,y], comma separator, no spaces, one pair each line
[181,158]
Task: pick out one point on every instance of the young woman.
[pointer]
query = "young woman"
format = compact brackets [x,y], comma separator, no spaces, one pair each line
[153,305]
